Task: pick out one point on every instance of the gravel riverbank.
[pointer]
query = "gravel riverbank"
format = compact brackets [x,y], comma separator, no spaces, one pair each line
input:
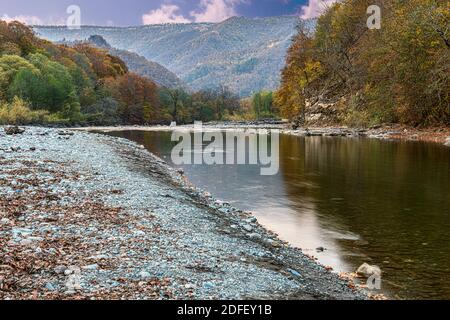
[86,216]
[439,135]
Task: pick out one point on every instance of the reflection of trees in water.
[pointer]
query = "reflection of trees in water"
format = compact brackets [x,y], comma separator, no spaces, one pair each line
[394,194]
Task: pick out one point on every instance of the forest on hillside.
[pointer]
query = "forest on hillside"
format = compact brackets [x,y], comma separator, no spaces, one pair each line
[45,83]
[243,54]
[399,73]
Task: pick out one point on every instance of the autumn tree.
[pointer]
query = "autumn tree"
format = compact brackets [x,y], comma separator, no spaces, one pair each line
[138,98]
[399,73]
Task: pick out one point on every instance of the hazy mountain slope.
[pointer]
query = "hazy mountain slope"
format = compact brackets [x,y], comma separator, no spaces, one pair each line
[243,54]
[140,65]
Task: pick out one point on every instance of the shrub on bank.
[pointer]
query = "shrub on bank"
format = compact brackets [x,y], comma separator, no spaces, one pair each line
[18,112]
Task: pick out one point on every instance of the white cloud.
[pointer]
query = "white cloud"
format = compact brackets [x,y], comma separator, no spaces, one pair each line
[34,20]
[165,14]
[208,11]
[315,8]
[215,10]
[29,20]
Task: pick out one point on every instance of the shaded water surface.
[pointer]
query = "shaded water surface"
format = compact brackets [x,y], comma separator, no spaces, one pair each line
[384,203]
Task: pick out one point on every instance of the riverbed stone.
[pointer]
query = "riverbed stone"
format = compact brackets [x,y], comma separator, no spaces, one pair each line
[447,142]
[91,267]
[294,272]
[84,221]
[254,236]
[144,275]
[21,231]
[60,269]
[50,286]
[251,220]
[13,130]
[72,270]
[209,285]
[366,270]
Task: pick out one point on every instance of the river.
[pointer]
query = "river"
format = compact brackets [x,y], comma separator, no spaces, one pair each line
[364,200]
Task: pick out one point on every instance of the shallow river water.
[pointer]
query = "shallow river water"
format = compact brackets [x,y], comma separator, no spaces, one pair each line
[363,200]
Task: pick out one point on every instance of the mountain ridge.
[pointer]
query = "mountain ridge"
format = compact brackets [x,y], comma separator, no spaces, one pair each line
[244,54]
[140,65]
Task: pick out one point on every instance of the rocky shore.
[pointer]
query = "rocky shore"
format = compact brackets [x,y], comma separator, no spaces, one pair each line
[87,216]
[439,135]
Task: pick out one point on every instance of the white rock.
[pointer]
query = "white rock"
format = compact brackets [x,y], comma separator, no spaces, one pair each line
[52,251]
[144,275]
[72,270]
[366,270]
[254,236]
[247,227]
[73,282]
[222,203]
[91,267]
[190,286]
[5,221]
[139,233]
[21,231]
[99,257]
[25,242]
[447,142]
[50,286]
[251,220]
[35,239]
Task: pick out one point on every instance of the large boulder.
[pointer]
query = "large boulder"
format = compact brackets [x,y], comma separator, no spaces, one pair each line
[320,111]
[447,142]
[367,271]
[14,130]
[298,122]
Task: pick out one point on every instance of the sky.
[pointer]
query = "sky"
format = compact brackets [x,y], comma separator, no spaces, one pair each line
[139,12]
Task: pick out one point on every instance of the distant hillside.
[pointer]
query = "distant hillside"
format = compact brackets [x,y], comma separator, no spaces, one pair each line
[140,65]
[244,54]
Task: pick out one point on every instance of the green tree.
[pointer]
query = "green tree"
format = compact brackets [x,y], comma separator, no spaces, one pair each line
[263,104]
[102,112]
[10,65]
[50,89]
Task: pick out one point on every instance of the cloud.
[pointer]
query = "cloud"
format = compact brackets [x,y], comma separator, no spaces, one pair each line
[208,11]
[34,20]
[315,8]
[215,10]
[165,14]
[29,20]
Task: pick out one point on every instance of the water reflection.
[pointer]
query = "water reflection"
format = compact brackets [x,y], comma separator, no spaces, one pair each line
[385,203]
[393,195]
